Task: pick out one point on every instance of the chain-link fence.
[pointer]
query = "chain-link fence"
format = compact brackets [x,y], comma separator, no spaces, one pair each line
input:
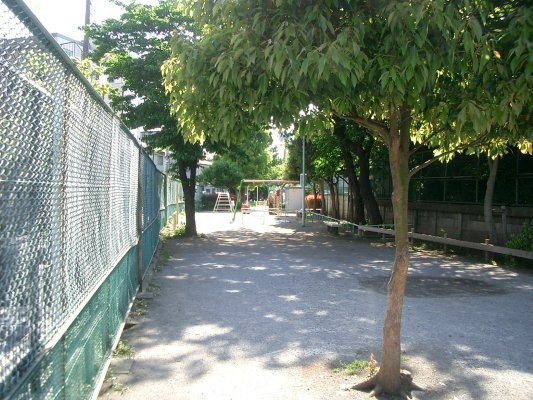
[73,210]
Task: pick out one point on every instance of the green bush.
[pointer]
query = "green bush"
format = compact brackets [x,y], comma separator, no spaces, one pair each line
[523,240]
[209,200]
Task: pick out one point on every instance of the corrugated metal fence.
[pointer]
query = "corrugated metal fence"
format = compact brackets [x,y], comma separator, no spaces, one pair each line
[81,207]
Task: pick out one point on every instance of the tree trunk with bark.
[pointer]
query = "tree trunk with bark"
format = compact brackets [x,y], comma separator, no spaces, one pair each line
[389,379]
[350,213]
[315,196]
[487,202]
[356,206]
[357,210]
[189,190]
[372,209]
[323,206]
[333,199]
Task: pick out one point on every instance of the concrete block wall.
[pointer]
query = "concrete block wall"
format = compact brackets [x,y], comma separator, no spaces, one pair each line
[458,221]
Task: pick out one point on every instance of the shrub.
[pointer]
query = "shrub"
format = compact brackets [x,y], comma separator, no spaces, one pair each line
[523,240]
[208,201]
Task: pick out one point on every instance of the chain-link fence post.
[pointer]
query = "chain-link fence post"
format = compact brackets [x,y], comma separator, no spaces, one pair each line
[177,212]
[140,221]
[165,198]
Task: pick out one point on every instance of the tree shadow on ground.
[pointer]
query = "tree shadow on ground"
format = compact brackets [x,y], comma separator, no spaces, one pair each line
[298,296]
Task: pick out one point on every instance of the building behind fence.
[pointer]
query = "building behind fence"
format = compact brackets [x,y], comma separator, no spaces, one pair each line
[447,198]
[81,207]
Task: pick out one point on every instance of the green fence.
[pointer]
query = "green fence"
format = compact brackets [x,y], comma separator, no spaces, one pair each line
[464,180]
[78,196]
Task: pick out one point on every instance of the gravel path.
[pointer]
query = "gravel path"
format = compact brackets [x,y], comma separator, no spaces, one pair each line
[265,309]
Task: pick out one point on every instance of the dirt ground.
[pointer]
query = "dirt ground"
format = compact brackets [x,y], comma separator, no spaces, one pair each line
[264,308]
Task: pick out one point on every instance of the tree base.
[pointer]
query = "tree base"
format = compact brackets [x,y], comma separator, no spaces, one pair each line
[375,387]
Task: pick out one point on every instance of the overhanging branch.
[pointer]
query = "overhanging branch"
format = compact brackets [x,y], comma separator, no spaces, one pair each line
[373,126]
[459,148]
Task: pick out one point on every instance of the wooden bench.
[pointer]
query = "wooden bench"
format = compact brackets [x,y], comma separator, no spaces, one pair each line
[332,226]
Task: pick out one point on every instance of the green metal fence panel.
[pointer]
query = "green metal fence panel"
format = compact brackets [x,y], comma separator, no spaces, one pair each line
[172,200]
[46,380]
[68,218]
[172,192]
[72,368]
[151,181]
[151,203]
[150,239]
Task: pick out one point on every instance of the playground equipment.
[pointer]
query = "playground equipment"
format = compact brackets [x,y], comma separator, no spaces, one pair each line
[274,203]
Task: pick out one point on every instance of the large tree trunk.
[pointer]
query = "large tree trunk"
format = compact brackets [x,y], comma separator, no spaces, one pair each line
[189,191]
[389,371]
[323,205]
[333,199]
[350,212]
[371,204]
[389,378]
[487,203]
[357,209]
[315,196]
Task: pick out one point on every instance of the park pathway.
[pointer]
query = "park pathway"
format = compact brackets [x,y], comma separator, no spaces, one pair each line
[263,308]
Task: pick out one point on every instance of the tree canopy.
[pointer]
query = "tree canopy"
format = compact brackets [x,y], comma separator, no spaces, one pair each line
[133,49]
[359,60]
[223,173]
[251,158]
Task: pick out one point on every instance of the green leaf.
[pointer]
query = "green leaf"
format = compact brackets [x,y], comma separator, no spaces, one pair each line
[384,79]
[355,49]
[304,67]
[263,84]
[268,50]
[334,53]
[400,85]
[342,38]
[321,66]
[323,23]
[467,42]
[238,53]
[278,67]
[475,27]
[343,77]
[251,59]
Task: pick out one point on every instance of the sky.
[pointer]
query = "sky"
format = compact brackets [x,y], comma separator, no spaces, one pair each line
[66,16]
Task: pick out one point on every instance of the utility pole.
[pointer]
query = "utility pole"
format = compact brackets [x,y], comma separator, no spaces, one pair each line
[85,50]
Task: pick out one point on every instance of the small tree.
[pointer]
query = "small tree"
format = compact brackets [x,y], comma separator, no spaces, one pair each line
[252,154]
[223,173]
[328,166]
[412,73]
